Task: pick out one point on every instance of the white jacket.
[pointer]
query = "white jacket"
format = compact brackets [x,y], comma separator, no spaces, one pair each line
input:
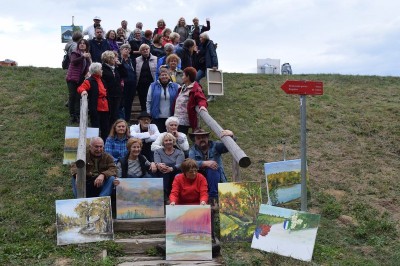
[149,136]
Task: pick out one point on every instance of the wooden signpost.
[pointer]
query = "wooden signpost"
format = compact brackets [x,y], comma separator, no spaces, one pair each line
[303,88]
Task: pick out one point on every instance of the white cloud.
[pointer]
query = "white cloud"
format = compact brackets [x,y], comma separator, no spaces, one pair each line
[315,36]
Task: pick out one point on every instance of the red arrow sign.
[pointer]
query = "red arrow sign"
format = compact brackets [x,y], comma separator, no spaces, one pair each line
[303,87]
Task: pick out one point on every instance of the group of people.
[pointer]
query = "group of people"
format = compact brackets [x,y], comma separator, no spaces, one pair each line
[190,174]
[117,65]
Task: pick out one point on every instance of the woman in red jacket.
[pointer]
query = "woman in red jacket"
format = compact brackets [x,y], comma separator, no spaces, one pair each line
[97,99]
[190,187]
[189,96]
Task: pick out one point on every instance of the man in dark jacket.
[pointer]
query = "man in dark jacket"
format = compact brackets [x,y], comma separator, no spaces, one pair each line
[98,45]
[100,171]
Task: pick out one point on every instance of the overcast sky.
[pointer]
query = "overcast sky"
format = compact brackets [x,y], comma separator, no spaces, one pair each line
[315,36]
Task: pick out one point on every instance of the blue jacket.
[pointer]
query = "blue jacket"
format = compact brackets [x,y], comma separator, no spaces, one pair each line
[156,89]
[96,48]
[215,150]
[211,55]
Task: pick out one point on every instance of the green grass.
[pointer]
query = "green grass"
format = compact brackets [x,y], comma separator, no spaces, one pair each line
[353,136]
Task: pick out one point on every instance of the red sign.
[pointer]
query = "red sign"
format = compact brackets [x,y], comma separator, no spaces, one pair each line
[303,87]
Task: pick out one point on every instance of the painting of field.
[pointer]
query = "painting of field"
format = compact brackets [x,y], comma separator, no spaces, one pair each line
[84,220]
[239,205]
[71,142]
[286,232]
[283,181]
[188,232]
[139,198]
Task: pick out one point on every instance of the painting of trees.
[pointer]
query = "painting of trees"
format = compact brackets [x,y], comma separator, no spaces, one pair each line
[239,205]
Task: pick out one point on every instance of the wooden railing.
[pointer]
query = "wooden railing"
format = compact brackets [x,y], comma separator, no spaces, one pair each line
[238,155]
[81,153]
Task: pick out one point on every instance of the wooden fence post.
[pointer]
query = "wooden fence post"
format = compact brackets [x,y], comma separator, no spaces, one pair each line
[81,153]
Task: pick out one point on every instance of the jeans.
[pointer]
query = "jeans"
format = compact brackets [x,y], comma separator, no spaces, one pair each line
[92,191]
[213,177]
[200,74]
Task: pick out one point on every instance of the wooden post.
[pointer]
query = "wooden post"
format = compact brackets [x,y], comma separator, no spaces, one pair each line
[237,153]
[81,153]
[235,172]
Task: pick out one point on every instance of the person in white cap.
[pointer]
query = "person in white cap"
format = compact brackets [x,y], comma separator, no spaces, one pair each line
[90,31]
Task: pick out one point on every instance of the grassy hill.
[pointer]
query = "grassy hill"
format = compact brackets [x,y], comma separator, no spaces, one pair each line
[353,148]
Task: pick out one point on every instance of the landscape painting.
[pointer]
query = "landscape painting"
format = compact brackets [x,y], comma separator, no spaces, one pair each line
[72,139]
[138,198]
[286,232]
[84,220]
[68,31]
[188,232]
[283,181]
[239,205]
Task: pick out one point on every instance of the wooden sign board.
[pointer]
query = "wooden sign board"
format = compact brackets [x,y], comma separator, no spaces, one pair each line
[215,82]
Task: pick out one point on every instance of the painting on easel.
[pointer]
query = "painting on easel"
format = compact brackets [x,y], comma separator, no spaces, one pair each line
[188,232]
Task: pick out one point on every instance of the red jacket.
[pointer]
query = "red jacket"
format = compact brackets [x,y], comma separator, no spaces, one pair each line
[187,191]
[102,103]
[196,97]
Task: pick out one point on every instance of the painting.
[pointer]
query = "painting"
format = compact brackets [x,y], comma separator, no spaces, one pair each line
[283,181]
[286,232]
[188,232]
[84,220]
[71,142]
[139,198]
[239,205]
[67,31]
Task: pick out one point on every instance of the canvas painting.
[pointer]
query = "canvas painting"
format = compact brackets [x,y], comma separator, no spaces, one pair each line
[84,220]
[188,232]
[286,232]
[239,205]
[67,31]
[138,198]
[283,181]
[72,139]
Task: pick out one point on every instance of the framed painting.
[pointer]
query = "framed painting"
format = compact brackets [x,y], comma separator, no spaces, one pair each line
[188,232]
[283,180]
[67,31]
[84,220]
[71,142]
[138,198]
[239,204]
[286,232]
[215,81]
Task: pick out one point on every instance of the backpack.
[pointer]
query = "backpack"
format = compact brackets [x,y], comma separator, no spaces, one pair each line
[66,59]
[286,69]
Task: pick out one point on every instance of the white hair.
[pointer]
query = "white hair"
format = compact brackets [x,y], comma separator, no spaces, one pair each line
[171,119]
[94,68]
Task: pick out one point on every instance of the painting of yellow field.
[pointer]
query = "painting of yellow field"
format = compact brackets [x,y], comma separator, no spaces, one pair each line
[139,198]
[188,232]
[71,142]
[286,232]
[239,205]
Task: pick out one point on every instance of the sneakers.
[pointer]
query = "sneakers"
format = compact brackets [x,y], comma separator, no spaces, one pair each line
[211,98]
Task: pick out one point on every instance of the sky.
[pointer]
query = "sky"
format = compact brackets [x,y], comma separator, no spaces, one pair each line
[356,37]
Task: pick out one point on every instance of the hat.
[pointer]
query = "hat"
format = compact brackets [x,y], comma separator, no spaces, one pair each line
[97,18]
[144,114]
[198,132]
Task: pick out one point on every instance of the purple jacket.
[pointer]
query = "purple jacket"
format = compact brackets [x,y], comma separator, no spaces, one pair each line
[78,67]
